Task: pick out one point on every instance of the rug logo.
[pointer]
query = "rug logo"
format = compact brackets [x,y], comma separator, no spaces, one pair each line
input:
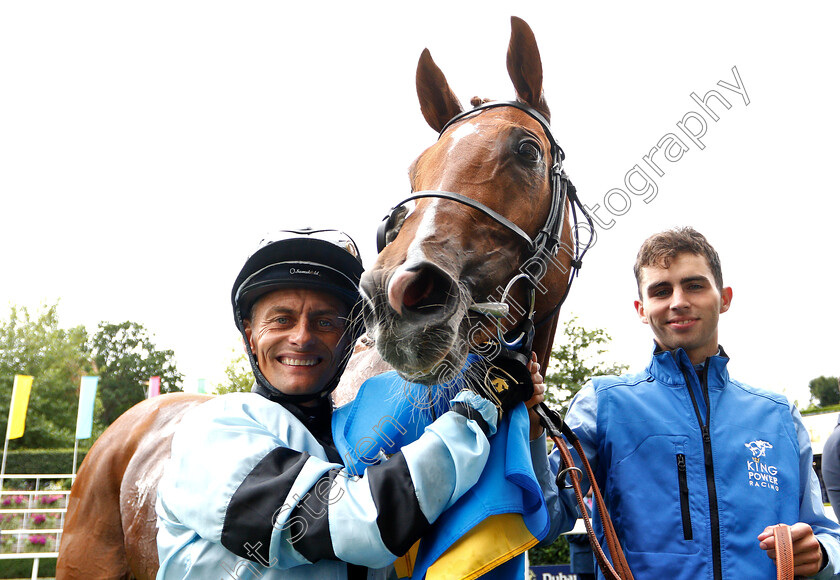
[759,472]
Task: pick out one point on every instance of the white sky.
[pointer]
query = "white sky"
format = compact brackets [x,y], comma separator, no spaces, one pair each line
[146,146]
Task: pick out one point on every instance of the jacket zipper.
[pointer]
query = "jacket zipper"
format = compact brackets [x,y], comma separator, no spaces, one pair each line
[684,504]
[710,469]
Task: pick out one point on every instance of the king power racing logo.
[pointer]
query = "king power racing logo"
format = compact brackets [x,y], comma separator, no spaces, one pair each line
[759,472]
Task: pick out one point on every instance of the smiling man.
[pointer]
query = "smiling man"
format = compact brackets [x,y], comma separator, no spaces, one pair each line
[255,487]
[696,467]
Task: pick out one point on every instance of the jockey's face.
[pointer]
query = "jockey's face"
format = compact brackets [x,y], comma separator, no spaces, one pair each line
[297,336]
[682,305]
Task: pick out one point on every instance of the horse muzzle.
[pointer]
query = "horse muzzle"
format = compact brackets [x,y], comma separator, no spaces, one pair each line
[414,314]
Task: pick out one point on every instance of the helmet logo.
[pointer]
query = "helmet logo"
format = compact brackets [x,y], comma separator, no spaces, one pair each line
[307,272]
[351,249]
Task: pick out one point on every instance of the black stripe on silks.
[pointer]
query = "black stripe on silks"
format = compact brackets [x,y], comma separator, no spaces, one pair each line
[355,572]
[399,518]
[249,519]
[310,529]
[470,413]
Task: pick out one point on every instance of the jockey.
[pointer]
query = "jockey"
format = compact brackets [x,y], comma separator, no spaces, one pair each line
[255,488]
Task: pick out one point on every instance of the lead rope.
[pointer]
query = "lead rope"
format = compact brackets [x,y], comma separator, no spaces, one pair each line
[784,552]
[556,429]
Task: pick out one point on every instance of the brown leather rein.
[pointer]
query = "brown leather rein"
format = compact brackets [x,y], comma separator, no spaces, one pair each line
[556,429]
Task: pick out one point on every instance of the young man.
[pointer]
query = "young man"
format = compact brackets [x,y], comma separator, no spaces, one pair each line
[695,467]
[255,487]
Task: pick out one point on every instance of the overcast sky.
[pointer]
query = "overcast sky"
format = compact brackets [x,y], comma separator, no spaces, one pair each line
[146,146]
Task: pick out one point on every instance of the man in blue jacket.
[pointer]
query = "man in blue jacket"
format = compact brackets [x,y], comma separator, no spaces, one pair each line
[695,466]
[255,487]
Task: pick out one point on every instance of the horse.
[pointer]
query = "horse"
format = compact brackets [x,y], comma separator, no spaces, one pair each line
[483,247]
[430,297]
[110,527]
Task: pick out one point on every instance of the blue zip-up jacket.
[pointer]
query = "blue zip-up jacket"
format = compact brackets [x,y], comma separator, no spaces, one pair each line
[694,467]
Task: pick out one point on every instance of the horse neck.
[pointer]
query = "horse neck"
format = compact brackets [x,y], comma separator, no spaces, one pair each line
[544,340]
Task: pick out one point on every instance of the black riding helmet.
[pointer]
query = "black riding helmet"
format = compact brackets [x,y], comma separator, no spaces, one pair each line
[326,260]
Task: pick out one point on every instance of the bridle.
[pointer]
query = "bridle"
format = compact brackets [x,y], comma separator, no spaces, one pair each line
[543,246]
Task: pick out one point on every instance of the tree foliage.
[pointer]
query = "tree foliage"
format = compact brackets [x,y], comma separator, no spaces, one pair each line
[576,357]
[34,344]
[554,553]
[238,377]
[824,391]
[125,359]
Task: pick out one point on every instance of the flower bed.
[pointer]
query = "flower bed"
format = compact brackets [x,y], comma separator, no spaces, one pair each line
[28,542]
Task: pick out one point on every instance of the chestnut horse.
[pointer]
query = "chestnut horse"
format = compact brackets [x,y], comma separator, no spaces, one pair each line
[480,255]
[439,272]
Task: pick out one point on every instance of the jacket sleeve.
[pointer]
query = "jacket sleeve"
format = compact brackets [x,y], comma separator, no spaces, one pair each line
[265,500]
[811,509]
[582,418]
[545,477]
[831,469]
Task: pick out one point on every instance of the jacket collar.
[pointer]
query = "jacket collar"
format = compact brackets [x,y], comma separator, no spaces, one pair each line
[667,366]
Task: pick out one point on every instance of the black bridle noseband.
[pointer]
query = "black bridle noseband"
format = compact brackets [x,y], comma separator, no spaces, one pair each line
[547,241]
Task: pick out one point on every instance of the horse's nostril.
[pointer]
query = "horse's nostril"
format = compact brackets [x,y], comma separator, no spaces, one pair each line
[420,288]
[423,291]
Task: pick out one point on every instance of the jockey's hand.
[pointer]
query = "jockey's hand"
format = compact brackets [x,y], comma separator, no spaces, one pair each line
[807,552]
[538,397]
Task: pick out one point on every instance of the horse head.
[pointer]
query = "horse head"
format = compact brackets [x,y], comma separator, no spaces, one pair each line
[474,239]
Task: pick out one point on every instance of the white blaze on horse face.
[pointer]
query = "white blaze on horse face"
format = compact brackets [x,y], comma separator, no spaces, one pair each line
[426,229]
[461,132]
[414,256]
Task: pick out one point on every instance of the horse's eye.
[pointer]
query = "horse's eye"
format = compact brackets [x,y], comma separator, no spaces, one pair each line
[529,150]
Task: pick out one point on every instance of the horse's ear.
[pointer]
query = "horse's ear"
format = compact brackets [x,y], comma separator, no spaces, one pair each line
[525,66]
[437,101]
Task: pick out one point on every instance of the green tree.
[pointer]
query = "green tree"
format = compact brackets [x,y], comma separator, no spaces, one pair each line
[34,344]
[824,391]
[125,358]
[555,553]
[238,377]
[576,357]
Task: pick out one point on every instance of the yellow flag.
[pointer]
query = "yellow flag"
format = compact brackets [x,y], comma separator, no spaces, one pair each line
[17,410]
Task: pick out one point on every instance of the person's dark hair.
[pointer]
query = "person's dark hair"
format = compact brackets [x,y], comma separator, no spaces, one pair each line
[661,248]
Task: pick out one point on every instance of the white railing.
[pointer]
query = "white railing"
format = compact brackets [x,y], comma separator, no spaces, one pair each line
[31,521]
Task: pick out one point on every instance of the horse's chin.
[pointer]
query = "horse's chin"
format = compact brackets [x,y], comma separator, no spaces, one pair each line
[443,371]
[423,359]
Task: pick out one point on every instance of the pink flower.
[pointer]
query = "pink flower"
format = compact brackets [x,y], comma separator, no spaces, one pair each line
[42,540]
[39,518]
[7,501]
